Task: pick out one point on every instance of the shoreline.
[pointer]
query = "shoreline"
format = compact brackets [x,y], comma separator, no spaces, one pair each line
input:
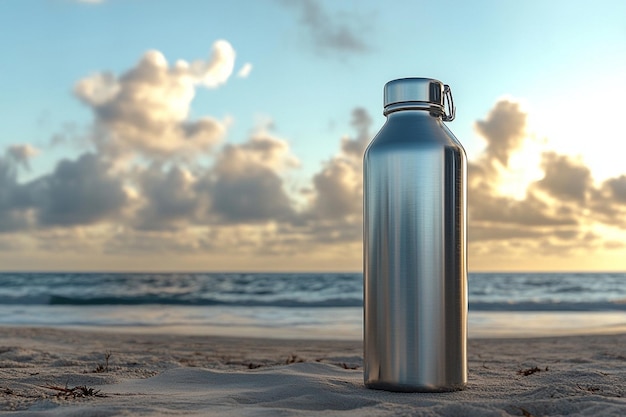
[156,374]
[327,324]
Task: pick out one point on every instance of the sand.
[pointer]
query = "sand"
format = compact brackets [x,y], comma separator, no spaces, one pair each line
[55,372]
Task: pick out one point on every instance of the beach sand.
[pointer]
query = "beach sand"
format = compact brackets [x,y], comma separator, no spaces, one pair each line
[56,372]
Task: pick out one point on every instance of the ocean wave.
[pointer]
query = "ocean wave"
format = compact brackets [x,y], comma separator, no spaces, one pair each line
[147,300]
[520,306]
[487,292]
[548,306]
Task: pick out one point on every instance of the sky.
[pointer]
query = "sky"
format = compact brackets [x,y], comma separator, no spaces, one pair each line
[189,135]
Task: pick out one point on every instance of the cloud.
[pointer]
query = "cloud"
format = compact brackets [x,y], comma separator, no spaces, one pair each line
[13,198]
[22,154]
[79,192]
[243,201]
[245,185]
[361,122]
[338,187]
[145,111]
[617,188]
[565,178]
[330,33]
[558,213]
[248,186]
[170,198]
[493,216]
[607,203]
[531,211]
[337,190]
[245,70]
[332,218]
[503,129]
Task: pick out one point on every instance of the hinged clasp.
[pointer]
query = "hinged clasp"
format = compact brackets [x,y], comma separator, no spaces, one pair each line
[447,94]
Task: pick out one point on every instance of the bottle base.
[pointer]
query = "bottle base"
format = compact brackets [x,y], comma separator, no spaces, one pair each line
[394,387]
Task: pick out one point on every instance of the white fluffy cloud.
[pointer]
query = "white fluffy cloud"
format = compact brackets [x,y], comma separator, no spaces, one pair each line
[245,70]
[170,198]
[245,185]
[145,110]
[248,185]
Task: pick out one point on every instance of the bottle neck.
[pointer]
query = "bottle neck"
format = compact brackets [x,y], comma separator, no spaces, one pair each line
[415,107]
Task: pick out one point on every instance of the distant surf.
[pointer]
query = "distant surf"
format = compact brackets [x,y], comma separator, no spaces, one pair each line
[298,304]
[487,292]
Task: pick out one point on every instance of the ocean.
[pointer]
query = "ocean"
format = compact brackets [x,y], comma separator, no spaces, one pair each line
[299,305]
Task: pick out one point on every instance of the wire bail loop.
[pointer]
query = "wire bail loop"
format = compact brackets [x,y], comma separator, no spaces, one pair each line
[447,93]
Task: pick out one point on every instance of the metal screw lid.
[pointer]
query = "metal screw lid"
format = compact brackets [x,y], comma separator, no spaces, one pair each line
[424,93]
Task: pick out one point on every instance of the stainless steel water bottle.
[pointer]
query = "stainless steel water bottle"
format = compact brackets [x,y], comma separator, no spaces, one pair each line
[415,267]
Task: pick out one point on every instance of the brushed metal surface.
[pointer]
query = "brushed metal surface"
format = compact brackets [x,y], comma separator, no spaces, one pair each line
[415,274]
[406,90]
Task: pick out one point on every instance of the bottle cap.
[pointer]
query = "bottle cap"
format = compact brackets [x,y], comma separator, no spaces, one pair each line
[423,93]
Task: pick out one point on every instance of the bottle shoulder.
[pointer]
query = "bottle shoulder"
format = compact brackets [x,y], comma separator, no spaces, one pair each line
[413,133]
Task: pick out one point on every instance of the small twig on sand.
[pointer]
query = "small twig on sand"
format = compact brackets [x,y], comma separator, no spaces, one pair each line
[80,391]
[103,368]
[530,371]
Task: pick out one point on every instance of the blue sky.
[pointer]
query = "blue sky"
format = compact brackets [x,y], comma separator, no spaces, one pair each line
[561,63]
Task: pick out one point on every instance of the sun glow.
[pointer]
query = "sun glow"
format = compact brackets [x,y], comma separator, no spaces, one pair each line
[592,129]
[523,169]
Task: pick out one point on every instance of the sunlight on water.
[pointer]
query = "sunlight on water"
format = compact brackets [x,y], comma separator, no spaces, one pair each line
[540,324]
[300,323]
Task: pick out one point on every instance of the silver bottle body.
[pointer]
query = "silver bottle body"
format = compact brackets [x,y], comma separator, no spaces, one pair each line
[415,267]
